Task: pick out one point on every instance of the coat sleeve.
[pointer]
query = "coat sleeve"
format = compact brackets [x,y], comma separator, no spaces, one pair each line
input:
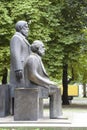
[16,50]
[34,75]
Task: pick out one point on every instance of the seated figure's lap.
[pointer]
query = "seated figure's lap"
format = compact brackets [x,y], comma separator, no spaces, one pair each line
[53,89]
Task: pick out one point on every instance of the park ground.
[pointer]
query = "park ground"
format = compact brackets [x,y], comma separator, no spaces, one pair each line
[75,115]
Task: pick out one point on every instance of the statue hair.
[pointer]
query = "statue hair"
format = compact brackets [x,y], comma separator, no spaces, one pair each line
[19,25]
[35,45]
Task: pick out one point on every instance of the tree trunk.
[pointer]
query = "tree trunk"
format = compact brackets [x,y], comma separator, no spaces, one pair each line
[4,76]
[84,90]
[65,85]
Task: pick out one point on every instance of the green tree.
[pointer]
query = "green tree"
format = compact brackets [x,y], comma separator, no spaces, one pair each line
[81,66]
[66,23]
[72,38]
[5,33]
[57,23]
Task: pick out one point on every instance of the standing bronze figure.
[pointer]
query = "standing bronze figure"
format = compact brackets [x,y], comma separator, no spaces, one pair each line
[19,50]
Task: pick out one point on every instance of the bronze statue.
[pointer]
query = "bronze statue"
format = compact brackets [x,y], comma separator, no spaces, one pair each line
[36,76]
[19,50]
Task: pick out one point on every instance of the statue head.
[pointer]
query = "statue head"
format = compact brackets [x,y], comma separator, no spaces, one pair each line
[38,47]
[22,27]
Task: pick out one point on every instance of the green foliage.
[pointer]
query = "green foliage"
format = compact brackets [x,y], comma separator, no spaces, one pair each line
[5,23]
[59,24]
[4,59]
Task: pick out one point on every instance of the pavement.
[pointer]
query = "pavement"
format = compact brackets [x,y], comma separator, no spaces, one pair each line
[75,115]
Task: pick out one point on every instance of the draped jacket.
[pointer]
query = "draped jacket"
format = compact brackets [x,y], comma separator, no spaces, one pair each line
[19,51]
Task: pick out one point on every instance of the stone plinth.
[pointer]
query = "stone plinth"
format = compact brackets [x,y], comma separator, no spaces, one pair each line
[26,105]
[4,100]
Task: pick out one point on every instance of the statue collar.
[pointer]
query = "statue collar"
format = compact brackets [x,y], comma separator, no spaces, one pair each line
[40,61]
[21,36]
[36,55]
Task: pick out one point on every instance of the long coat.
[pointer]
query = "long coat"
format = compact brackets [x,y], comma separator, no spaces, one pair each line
[36,76]
[35,72]
[19,51]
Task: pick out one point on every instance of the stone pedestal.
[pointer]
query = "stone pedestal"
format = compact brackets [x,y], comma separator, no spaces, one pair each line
[4,100]
[26,104]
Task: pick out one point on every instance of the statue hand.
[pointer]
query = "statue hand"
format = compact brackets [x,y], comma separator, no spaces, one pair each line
[18,74]
[52,83]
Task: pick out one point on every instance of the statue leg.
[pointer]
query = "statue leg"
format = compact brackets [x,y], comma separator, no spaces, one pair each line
[12,106]
[40,108]
[56,104]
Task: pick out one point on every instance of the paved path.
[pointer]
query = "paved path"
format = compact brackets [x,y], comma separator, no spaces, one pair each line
[76,114]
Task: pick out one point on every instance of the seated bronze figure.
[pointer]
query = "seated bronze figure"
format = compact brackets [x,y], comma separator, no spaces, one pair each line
[36,76]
